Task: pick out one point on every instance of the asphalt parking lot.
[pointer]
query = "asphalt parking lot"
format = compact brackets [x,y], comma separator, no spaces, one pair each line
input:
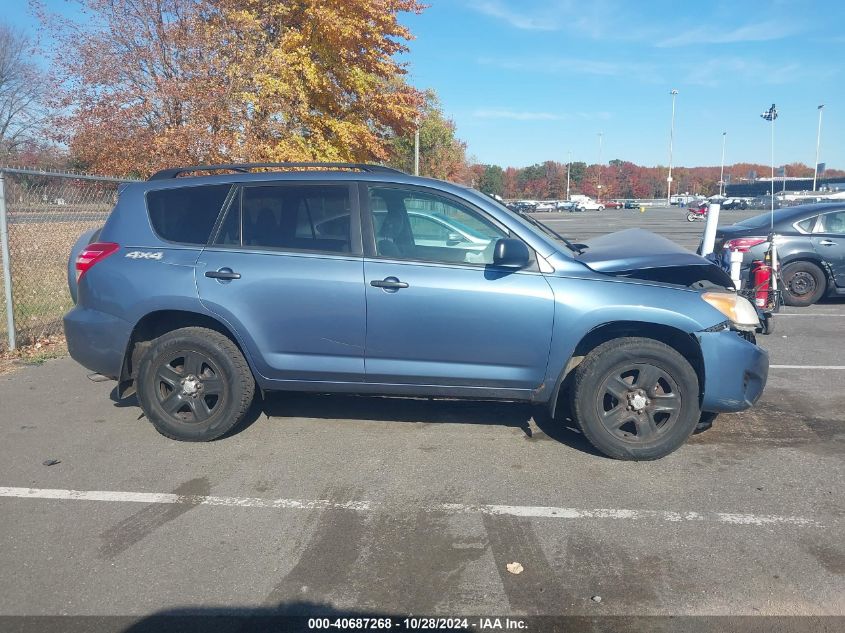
[380,505]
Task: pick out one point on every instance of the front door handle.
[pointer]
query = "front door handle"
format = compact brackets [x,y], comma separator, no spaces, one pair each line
[225,274]
[388,284]
[827,243]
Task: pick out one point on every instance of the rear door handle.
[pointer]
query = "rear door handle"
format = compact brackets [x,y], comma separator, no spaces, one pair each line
[388,284]
[223,273]
[827,243]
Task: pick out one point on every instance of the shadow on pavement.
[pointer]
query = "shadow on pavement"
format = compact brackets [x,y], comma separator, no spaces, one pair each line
[518,415]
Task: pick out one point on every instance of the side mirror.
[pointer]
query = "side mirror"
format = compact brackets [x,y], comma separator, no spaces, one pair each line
[511,253]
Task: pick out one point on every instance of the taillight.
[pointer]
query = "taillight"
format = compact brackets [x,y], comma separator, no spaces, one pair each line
[744,244]
[91,254]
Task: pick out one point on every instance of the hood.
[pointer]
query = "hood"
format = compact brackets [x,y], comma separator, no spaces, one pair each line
[641,254]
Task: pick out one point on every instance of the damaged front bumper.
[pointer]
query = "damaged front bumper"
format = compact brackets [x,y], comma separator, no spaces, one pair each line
[735,371]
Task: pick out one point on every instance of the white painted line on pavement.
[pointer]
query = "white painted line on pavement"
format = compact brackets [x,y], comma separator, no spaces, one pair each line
[537,512]
[785,314]
[806,366]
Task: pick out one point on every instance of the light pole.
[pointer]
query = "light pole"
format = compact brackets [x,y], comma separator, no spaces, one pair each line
[818,144]
[770,115]
[568,168]
[674,93]
[598,188]
[722,170]
[417,148]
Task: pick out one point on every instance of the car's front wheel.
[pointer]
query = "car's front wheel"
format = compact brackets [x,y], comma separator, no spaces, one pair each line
[194,384]
[636,398]
[803,284]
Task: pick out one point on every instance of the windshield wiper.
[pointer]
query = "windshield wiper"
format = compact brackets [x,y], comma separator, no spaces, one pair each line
[551,232]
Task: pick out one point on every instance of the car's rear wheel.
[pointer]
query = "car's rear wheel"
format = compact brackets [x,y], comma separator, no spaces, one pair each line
[194,384]
[636,398]
[803,284]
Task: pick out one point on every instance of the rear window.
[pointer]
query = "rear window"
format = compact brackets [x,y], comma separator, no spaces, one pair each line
[186,215]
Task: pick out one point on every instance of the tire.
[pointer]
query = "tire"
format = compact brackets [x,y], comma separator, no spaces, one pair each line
[690,217]
[218,392]
[804,283]
[648,374]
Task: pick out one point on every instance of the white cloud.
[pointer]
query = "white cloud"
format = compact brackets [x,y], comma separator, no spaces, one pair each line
[523,115]
[563,65]
[714,71]
[517,18]
[517,115]
[759,32]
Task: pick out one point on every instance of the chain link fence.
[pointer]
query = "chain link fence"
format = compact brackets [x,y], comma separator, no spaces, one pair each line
[42,214]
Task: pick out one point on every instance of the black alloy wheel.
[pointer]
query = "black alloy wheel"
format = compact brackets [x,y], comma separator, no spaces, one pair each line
[637,402]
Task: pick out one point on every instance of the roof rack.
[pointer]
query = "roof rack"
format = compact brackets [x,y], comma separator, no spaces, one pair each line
[245,168]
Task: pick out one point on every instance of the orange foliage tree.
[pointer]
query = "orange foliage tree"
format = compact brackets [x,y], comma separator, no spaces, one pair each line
[146,84]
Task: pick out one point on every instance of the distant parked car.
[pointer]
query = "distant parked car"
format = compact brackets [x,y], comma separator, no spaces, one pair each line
[613,204]
[730,204]
[523,206]
[632,204]
[586,203]
[567,205]
[810,247]
[547,205]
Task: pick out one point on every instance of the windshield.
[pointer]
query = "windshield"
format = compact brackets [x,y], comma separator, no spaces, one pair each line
[543,228]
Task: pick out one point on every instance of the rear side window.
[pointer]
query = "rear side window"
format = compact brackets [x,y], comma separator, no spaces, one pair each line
[807,225]
[186,215]
[294,217]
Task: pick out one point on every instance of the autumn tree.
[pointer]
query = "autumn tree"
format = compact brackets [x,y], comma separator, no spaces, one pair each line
[145,84]
[21,92]
[492,180]
[442,154]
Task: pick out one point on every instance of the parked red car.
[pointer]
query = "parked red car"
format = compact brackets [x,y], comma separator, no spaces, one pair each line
[613,204]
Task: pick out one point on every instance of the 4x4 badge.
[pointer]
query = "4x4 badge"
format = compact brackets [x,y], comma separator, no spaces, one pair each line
[145,255]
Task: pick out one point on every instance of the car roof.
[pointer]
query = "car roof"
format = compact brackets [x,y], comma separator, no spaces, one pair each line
[388,176]
[791,214]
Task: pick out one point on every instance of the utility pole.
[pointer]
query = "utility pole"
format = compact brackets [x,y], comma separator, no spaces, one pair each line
[770,115]
[674,94]
[722,171]
[598,188]
[568,168]
[417,149]
[818,144]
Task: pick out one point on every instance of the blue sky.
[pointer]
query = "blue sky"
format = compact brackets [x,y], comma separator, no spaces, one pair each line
[531,80]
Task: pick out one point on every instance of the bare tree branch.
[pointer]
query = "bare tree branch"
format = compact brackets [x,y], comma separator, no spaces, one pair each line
[21,91]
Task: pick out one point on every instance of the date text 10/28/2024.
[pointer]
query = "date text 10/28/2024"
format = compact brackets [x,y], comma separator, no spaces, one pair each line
[417,624]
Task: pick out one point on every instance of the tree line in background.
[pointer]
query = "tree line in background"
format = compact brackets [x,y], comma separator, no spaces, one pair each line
[617,179]
[139,85]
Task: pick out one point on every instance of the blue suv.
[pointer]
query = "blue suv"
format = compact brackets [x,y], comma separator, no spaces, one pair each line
[208,283]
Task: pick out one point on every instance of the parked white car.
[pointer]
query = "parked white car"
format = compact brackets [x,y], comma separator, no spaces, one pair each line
[586,203]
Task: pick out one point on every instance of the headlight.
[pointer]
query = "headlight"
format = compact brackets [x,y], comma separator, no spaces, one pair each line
[738,309]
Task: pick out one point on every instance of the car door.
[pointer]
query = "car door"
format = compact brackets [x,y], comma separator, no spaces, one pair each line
[285,269]
[444,315]
[829,242]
